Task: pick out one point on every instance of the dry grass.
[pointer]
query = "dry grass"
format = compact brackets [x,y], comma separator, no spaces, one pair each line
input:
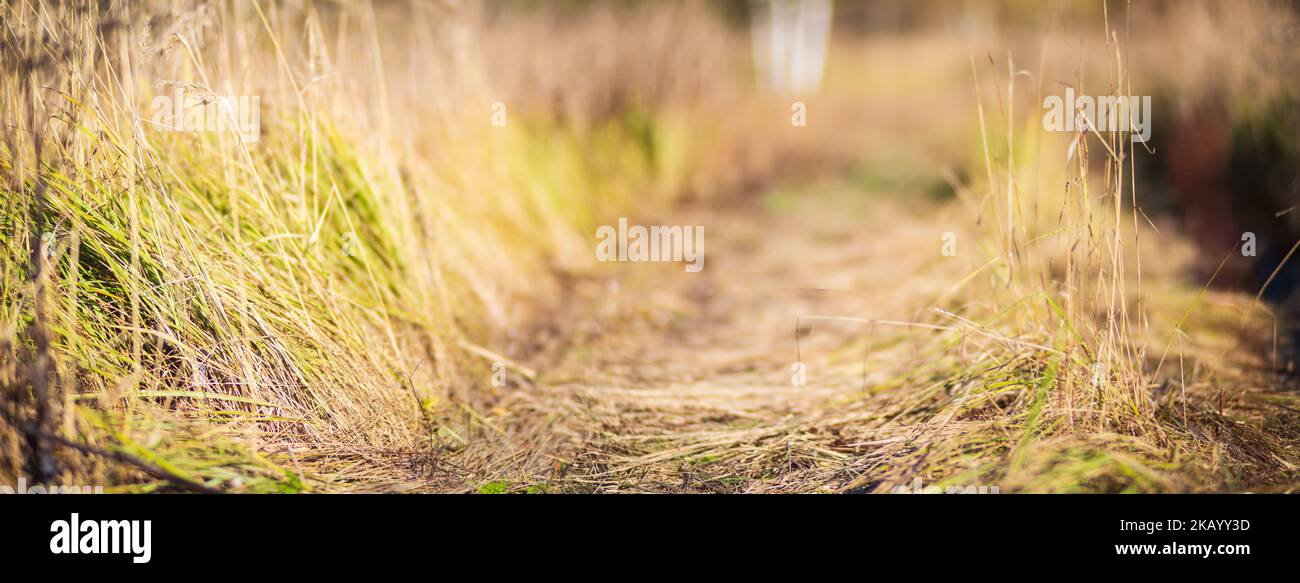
[1063,351]
[319,310]
[207,304]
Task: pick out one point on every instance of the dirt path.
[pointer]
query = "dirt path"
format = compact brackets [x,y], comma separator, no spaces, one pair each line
[658,380]
[683,382]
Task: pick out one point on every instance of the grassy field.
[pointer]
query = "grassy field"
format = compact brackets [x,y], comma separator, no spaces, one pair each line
[332,306]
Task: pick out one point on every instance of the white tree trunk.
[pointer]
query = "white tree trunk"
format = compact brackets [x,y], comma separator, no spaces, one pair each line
[790,38]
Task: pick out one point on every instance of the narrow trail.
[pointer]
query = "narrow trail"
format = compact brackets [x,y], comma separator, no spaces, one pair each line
[653,379]
[684,381]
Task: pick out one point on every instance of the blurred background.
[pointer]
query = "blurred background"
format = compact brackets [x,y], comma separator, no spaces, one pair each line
[889,85]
